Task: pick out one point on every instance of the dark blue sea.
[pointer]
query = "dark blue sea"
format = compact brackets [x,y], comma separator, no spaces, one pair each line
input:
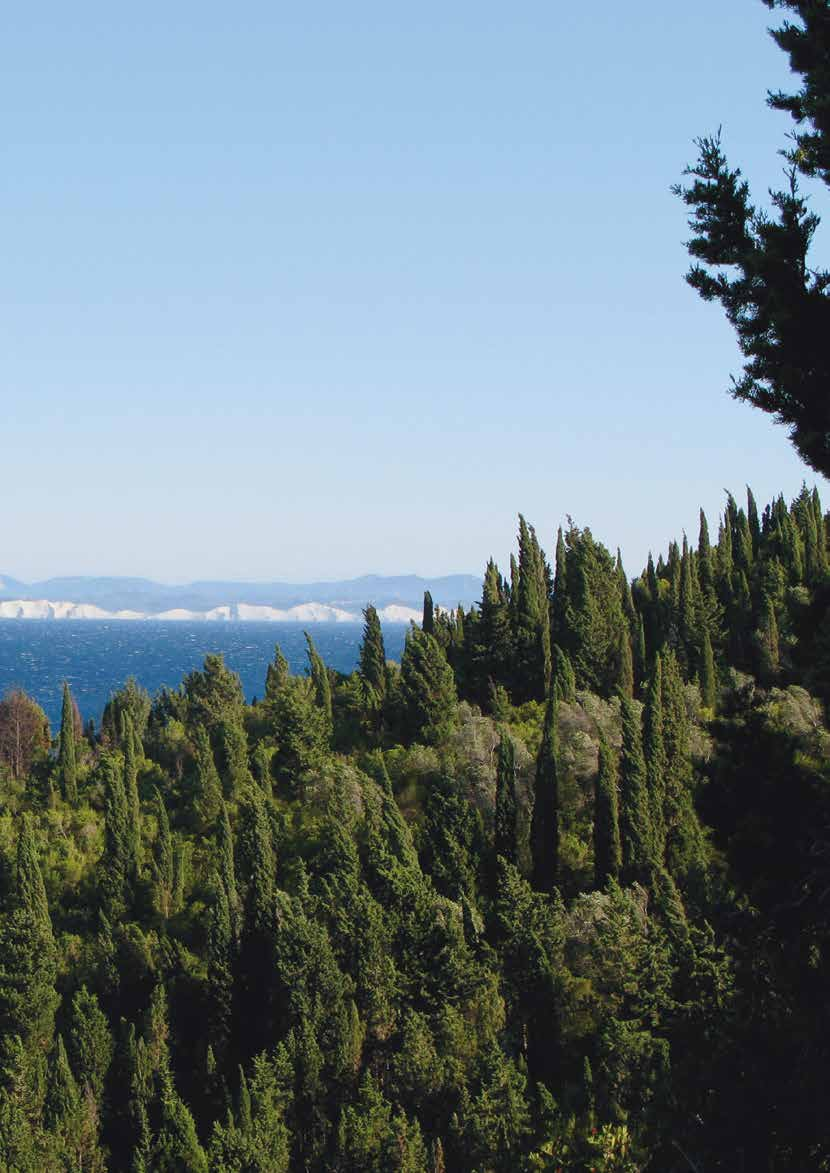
[97,656]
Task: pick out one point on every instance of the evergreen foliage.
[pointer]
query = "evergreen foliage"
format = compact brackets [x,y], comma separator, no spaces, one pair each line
[427,688]
[545,827]
[466,929]
[755,262]
[505,841]
[636,831]
[67,761]
[373,655]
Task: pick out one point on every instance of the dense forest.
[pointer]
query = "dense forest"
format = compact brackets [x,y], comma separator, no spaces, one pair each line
[551,894]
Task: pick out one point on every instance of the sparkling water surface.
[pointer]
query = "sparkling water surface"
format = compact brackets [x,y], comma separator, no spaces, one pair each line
[97,656]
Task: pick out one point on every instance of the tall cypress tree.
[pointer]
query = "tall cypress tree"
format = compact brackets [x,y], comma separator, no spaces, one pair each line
[90,1042]
[607,846]
[821,533]
[687,611]
[708,679]
[544,830]
[626,662]
[505,815]
[655,757]
[31,891]
[635,824]
[640,654]
[494,651]
[67,763]
[131,791]
[704,558]
[560,593]
[116,861]
[532,619]
[427,688]
[208,787]
[162,858]
[564,680]
[220,963]
[226,867]
[256,959]
[234,755]
[28,964]
[428,618]
[767,638]
[320,682]
[753,521]
[276,675]
[373,654]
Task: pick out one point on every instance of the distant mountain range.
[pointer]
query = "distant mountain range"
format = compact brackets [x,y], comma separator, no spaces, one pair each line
[398,598]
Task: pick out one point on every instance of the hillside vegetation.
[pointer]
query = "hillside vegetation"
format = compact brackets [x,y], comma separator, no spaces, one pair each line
[551,894]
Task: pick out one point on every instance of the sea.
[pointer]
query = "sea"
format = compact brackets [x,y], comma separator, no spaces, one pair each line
[97,656]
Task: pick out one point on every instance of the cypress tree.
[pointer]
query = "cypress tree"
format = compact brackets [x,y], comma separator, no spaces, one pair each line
[708,679]
[262,766]
[742,542]
[62,1104]
[655,757]
[31,891]
[669,904]
[256,975]
[564,680]
[162,858]
[28,959]
[688,619]
[225,861]
[560,593]
[513,596]
[427,688]
[673,573]
[725,564]
[821,534]
[220,961]
[607,848]
[768,639]
[544,830]
[640,654]
[320,683]
[532,617]
[90,1042]
[626,661]
[753,521]
[625,590]
[177,1144]
[208,787]
[276,675]
[181,872]
[505,815]
[804,514]
[651,579]
[234,751]
[675,724]
[131,791]
[493,654]
[635,825]
[428,620]
[704,558]
[67,763]
[117,859]
[373,654]
[245,1119]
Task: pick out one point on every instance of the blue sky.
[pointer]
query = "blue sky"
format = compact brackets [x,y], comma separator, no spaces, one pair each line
[301,291]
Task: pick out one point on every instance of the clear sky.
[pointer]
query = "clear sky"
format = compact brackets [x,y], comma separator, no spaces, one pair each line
[313,290]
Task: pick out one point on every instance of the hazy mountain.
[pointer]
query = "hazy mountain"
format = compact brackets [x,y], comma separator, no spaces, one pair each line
[141,594]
